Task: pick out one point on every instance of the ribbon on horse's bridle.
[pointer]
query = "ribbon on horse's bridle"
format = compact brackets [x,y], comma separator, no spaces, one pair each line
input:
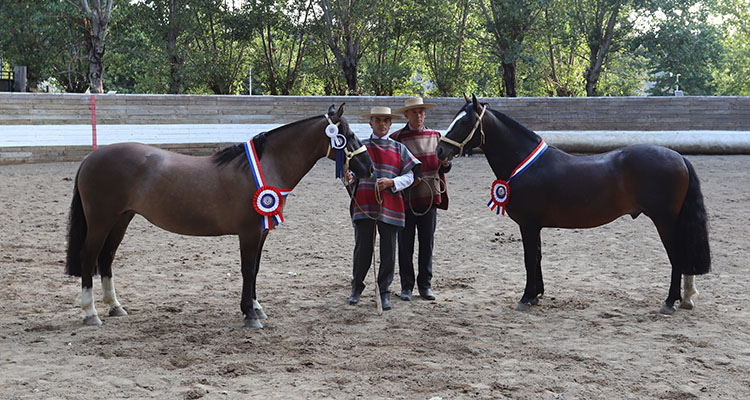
[461,145]
[349,154]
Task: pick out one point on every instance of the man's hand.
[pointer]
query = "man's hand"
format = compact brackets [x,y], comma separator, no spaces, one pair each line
[385,183]
[348,177]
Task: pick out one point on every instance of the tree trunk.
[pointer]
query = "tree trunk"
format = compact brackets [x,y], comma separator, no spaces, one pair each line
[98,20]
[176,79]
[349,58]
[96,54]
[509,80]
[348,63]
[599,50]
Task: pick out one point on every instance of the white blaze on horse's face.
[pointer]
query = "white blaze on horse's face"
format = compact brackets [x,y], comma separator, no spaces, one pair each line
[458,117]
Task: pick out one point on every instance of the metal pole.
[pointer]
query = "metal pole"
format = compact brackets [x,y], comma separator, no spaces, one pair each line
[250,82]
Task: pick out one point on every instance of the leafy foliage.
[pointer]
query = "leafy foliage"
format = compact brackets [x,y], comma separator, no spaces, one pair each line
[403,47]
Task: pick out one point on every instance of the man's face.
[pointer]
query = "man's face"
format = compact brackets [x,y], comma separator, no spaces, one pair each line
[416,117]
[380,125]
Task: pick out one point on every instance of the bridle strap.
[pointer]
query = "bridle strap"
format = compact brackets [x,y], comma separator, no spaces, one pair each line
[461,145]
[349,154]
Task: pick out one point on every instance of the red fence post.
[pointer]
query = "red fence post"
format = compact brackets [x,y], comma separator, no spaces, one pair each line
[93,123]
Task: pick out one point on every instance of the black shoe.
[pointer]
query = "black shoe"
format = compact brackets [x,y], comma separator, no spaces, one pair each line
[354,297]
[405,295]
[427,294]
[385,299]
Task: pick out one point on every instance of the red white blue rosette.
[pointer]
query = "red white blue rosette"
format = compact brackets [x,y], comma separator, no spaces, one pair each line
[267,201]
[500,194]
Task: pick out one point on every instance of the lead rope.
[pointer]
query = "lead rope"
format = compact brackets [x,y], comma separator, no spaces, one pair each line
[378,302]
[441,187]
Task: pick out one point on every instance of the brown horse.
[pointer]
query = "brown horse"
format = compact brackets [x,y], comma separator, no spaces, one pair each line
[546,187]
[200,196]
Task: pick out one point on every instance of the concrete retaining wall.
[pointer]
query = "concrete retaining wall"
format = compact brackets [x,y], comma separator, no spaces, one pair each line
[30,121]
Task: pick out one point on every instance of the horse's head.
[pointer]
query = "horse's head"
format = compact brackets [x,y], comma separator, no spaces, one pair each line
[356,153]
[461,132]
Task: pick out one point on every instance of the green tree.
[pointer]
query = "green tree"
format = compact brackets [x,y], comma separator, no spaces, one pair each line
[151,45]
[443,38]
[558,51]
[389,64]
[509,22]
[732,74]
[346,29]
[682,41]
[49,38]
[219,55]
[602,23]
[281,33]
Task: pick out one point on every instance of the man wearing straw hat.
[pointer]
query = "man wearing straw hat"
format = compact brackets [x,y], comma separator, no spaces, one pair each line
[421,201]
[377,202]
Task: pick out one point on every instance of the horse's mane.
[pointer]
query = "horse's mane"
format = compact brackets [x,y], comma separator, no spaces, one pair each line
[513,124]
[228,154]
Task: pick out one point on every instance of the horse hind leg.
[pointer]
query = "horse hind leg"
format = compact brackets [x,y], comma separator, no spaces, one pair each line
[94,241]
[106,257]
[666,231]
[688,291]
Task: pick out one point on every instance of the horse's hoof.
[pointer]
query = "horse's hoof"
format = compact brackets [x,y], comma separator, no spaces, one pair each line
[261,313]
[666,309]
[117,312]
[522,306]
[687,305]
[92,321]
[253,323]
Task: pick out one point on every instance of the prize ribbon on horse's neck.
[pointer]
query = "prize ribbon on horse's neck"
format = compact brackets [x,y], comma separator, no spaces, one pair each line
[508,143]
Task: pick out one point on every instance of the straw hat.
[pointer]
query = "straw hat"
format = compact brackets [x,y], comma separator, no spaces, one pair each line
[380,112]
[415,102]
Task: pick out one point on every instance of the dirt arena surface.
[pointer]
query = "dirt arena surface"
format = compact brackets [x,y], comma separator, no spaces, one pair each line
[595,335]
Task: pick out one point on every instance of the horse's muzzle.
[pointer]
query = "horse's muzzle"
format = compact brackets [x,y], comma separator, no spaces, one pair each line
[442,153]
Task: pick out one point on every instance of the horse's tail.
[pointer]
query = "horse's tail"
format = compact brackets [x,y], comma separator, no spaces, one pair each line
[692,229]
[76,232]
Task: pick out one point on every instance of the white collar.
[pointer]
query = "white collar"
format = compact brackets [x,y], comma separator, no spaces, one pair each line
[387,136]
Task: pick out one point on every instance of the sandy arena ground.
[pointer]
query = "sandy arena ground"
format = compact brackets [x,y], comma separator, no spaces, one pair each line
[595,335]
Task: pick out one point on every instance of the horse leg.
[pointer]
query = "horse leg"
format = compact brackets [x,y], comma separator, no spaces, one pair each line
[92,246]
[688,291]
[666,232]
[106,257]
[256,305]
[250,244]
[532,255]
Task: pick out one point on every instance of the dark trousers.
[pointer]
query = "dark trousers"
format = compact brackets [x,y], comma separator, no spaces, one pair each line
[424,227]
[364,229]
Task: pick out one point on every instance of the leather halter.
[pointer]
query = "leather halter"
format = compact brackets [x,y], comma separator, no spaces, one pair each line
[461,145]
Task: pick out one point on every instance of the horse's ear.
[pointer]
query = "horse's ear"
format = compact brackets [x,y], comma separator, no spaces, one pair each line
[475,101]
[340,112]
[331,110]
[466,98]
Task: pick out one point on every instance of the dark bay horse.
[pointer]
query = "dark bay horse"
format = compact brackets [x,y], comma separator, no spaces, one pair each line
[200,196]
[556,189]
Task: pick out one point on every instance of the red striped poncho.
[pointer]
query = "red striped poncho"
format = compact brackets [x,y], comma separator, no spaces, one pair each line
[423,144]
[390,159]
